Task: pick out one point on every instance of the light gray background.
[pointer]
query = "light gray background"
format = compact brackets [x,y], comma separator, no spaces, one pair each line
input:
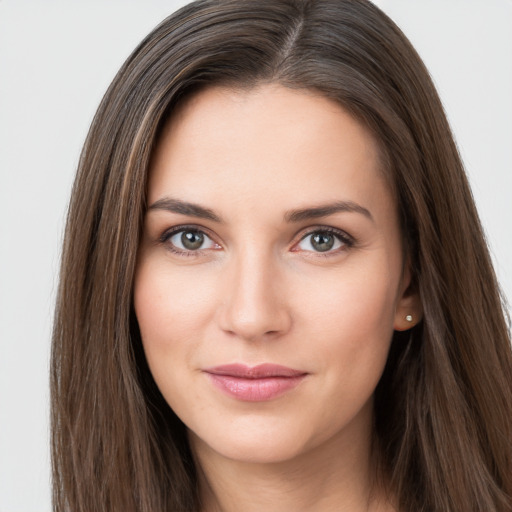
[56,60]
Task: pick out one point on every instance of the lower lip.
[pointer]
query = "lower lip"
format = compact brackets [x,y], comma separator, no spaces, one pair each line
[255,390]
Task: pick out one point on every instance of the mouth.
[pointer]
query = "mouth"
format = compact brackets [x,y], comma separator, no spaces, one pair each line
[254,384]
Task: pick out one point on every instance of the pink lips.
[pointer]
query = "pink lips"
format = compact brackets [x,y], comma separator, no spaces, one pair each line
[254,384]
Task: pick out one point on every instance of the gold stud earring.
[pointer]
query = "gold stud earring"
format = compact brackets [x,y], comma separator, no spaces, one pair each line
[409,318]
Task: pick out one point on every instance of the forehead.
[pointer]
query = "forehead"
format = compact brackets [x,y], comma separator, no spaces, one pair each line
[269,142]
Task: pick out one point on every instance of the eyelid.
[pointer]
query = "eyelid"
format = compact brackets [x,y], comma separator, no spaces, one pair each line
[169,233]
[347,240]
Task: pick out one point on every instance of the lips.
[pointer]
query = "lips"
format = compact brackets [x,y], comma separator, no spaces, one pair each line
[254,384]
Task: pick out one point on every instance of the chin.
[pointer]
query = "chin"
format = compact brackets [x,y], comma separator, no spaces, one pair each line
[264,447]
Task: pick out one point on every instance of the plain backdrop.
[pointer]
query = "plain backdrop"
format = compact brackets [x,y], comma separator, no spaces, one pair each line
[57,58]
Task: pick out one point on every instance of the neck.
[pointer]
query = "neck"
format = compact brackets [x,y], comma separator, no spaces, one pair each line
[337,475]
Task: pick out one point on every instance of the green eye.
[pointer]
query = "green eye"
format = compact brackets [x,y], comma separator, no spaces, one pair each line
[323,241]
[191,240]
[186,240]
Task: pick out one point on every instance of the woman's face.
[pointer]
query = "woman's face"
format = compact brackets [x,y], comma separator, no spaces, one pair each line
[270,275]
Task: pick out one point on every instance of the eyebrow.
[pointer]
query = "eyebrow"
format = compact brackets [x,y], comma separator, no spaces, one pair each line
[184,208]
[292,216]
[326,210]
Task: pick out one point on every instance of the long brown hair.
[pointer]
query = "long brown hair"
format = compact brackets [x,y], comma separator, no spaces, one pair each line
[443,408]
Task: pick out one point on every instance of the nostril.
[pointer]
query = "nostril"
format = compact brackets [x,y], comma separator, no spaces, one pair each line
[265,326]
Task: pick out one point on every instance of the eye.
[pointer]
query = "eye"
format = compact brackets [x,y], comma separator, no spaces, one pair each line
[323,241]
[189,240]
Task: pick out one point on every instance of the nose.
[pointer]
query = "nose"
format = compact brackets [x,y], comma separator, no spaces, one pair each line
[254,305]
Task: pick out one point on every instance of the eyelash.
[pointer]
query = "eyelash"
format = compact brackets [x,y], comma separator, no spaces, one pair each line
[167,235]
[347,240]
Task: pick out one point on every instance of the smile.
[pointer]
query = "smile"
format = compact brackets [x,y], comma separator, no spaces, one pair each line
[254,384]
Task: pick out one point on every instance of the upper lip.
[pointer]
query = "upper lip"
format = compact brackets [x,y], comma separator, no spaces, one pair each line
[260,371]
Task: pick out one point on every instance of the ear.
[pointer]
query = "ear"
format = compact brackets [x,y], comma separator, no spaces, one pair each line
[409,310]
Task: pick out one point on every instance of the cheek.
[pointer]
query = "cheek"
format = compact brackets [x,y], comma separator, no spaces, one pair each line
[354,299]
[172,308]
[351,321]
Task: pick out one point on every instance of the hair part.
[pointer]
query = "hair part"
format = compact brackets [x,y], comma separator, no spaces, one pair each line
[443,407]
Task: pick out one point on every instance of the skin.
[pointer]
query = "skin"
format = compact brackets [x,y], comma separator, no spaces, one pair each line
[259,291]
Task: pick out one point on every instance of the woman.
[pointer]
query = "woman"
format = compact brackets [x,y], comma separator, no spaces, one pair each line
[275,292]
